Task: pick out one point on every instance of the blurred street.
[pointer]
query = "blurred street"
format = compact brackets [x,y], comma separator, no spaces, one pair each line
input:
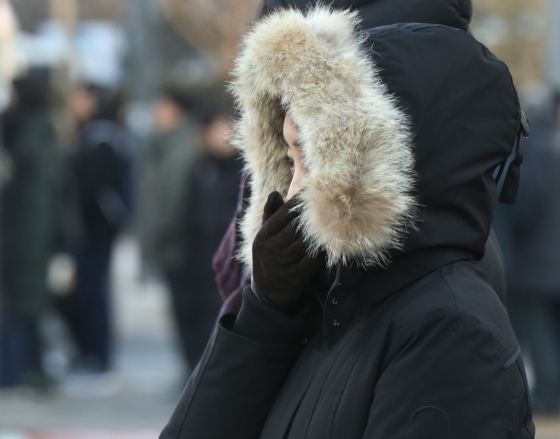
[136,400]
[548,429]
[133,401]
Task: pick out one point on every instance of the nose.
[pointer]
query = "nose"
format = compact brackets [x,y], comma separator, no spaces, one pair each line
[295,186]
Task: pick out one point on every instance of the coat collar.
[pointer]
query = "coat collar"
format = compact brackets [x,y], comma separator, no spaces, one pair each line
[357,290]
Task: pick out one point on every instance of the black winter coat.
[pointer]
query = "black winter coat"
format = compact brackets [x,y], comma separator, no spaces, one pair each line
[387,374]
[410,341]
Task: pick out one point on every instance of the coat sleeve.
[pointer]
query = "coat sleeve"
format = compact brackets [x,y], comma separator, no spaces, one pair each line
[239,376]
[448,377]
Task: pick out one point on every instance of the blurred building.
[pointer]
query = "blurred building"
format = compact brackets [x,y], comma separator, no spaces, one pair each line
[523,33]
[10,62]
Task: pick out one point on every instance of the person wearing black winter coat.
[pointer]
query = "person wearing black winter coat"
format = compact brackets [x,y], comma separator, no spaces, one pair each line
[102,168]
[368,315]
[231,275]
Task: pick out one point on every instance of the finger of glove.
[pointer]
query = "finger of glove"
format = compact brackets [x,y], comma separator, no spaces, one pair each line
[297,255]
[289,234]
[281,218]
[273,203]
[280,254]
[298,246]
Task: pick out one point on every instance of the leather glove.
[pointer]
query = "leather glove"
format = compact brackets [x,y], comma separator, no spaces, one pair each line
[282,269]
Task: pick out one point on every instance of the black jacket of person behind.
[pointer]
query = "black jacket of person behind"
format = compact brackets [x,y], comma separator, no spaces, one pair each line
[420,347]
[375,13]
[215,186]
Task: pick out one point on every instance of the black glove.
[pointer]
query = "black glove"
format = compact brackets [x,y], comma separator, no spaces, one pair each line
[282,269]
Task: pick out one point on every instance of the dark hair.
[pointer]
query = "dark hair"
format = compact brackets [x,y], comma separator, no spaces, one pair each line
[180,97]
[33,89]
[32,92]
[108,101]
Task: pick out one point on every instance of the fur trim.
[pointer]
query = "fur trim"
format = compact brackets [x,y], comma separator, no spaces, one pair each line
[356,144]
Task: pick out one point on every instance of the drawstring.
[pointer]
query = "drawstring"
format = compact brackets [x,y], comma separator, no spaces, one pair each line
[511,180]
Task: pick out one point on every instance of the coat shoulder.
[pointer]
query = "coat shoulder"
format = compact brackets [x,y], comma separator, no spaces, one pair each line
[457,293]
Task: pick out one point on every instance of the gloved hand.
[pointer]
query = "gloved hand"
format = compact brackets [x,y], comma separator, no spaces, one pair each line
[282,269]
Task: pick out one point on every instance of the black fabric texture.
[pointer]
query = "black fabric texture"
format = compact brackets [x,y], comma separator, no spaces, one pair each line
[388,374]
[260,322]
[230,393]
[282,269]
[374,13]
[493,264]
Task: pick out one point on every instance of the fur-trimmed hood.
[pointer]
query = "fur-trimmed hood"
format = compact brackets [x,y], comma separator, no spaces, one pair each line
[355,141]
[389,118]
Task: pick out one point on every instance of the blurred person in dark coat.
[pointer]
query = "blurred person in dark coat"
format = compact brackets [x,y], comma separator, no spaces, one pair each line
[215,184]
[28,226]
[530,237]
[167,163]
[103,172]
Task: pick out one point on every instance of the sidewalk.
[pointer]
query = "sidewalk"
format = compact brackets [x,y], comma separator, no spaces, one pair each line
[136,399]
[547,428]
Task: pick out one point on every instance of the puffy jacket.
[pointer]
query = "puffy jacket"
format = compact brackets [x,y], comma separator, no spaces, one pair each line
[402,128]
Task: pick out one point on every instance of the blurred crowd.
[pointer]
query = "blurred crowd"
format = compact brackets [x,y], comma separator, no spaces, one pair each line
[79,166]
[74,178]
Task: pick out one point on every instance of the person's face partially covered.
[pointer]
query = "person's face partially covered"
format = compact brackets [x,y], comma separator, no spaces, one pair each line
[295,156]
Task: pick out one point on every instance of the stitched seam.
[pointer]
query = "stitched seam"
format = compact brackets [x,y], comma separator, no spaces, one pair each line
[525,385]
[448,282]
[325,380]
[197,384]
[451,284]
[489,338]
[345,386]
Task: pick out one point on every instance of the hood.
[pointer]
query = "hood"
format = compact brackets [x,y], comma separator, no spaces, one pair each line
[374,13]
[401,129]
[357,197]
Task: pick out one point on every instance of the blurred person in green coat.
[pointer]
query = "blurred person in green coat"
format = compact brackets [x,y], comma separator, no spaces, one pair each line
[28,226]
[167,162]
[214,184]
